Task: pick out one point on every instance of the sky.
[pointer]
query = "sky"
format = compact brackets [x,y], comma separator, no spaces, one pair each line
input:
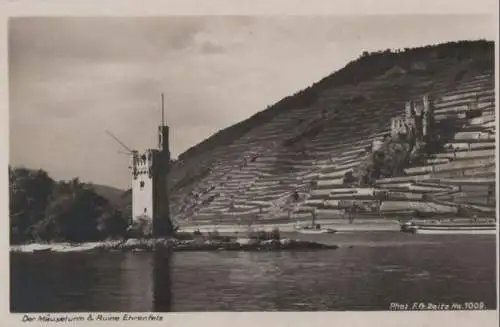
[71,79]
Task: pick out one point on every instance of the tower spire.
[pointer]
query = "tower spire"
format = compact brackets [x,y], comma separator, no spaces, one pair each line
[163,129]
[162,109]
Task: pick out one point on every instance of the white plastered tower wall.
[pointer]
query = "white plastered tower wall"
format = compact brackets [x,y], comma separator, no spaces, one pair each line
[143,195]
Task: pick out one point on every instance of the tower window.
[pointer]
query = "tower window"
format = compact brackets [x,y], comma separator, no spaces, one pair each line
[141,184]
[145,210]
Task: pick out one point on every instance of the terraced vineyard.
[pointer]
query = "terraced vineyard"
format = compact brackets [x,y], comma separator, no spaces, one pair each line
[294,159]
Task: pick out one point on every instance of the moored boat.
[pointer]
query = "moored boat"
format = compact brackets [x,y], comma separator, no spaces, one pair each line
[314,228]
[490,231]
[450,227]
[311,230]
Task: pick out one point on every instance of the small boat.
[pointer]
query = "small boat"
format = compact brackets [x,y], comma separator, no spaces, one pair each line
[409,227]
[472,227]
[315,229]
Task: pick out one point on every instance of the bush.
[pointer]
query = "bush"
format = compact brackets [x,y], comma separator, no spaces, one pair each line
[141,228]
[184,236]
[275,234]
[388,161]
[213,234]
[262,235]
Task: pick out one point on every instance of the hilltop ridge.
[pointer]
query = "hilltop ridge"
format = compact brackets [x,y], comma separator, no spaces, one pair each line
[367,66]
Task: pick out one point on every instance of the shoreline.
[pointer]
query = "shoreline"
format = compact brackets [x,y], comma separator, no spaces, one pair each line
[237,233]
[229,238]
[235,244]
[340,227]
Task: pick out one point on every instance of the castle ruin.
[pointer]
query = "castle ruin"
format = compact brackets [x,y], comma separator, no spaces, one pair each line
[418,121]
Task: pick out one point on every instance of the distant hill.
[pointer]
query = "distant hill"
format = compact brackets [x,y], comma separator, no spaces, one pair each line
[366,67]
[115,196]
[305,143]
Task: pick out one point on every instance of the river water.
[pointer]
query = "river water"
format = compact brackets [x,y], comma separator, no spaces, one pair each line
[368,272]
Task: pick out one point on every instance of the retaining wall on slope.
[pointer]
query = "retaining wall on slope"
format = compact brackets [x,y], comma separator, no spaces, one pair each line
[257,187]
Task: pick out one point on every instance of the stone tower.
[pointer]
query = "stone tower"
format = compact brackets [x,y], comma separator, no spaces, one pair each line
[408,109]
[428,116]
[398,126]
[150,198]
[377,144]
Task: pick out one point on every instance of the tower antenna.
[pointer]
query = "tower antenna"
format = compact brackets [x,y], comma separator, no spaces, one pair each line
[120,142]
[162,109]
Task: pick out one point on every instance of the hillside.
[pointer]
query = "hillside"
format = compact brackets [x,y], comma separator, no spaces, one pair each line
[115,196]
[315,151]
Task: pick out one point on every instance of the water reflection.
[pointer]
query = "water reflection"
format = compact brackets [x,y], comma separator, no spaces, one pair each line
[74,282]
[137,281]
[162,280]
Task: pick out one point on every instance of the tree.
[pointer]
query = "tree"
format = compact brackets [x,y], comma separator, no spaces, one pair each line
[29,193]
[348,178]
[42,209]
[76,211]
[112,223]
[388,161]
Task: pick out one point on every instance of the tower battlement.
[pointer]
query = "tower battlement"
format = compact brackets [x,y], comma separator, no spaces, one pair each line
[143,163]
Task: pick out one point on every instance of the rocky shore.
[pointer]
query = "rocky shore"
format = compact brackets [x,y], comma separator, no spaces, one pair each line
[198,244]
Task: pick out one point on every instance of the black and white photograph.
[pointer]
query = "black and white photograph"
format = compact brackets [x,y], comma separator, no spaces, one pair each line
[251,163]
